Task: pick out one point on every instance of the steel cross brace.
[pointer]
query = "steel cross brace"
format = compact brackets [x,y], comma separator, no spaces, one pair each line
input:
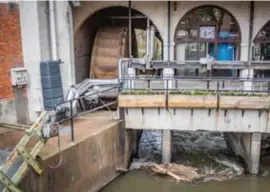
[29,158]
[6,181]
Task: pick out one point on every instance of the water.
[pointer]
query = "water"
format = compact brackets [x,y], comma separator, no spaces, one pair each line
[142,181]
[206,151]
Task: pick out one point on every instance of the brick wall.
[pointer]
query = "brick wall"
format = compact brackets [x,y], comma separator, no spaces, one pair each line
[10,46]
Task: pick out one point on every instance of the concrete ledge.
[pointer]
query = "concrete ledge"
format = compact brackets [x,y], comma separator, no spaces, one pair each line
[226,120]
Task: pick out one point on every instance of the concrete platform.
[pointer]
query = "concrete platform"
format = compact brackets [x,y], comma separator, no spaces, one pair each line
[88,164]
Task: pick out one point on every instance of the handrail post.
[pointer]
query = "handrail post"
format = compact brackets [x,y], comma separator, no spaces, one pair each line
[71,121]
[268,87]
[218,87]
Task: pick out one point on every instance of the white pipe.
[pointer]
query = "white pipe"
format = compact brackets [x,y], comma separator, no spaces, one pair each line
[53,30]
[152,41]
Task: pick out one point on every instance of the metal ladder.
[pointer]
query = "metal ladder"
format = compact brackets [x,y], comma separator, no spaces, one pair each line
[10,175]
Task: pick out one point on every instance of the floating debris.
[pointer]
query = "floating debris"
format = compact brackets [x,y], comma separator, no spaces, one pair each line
[189,174]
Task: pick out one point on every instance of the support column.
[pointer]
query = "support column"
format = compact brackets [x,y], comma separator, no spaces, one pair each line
[131,75]
[247,146]
[166,146]
[255,153]
[29,20]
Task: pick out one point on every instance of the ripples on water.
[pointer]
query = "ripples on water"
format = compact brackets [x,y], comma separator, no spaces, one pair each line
[205,150]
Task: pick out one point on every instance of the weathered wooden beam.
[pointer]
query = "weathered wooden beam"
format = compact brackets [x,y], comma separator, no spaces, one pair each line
[244,102]
[192,101]
[141,101]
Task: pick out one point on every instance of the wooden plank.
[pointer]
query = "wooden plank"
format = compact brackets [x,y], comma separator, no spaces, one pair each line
[192,101]
[141,101]
[244,102]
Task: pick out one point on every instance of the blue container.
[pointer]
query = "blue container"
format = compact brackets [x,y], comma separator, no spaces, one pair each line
[225,52]
[51,82]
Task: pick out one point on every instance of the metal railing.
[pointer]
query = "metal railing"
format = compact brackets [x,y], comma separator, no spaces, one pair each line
[183,83]
[73,114]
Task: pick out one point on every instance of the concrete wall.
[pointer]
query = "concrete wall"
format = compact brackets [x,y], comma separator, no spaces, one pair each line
[86,166]
[36,46]
[197,119]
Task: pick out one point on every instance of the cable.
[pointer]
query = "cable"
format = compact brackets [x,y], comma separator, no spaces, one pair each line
[60,153]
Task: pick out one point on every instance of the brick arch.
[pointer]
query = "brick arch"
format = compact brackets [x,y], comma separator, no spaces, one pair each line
[208,5]
[81,15]
[230,7]
[255,39]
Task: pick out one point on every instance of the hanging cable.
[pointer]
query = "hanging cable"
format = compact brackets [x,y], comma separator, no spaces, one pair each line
[60,152]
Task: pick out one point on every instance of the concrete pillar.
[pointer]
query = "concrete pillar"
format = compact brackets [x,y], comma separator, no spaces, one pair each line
[168,73]
[29,20]
[131,74]
[248,146]
[245,73]
[65,43]
[166,146]
[255,152]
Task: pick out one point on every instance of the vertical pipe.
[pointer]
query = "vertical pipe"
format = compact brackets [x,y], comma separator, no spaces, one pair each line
[129,29]
[169,30]
[53,30]
[251,22]
[71,122]
[147,37]
[152,45]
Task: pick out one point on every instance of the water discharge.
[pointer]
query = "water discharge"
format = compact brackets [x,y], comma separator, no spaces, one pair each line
[204,150]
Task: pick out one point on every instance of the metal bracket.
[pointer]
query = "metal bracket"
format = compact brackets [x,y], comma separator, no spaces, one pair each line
[225,112]
[8,183]
[243,112]
[30,160]
[260,112]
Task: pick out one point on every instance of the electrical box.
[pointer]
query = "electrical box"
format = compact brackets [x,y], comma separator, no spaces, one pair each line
[18,76]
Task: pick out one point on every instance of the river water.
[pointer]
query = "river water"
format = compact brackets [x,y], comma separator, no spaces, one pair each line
[204,150]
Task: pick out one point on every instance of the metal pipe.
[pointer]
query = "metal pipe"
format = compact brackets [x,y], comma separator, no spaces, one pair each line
[169,30]
[71,122]
[251,22]
[53,30]
[125,17]
[152,41]
[147,38]
[129,29]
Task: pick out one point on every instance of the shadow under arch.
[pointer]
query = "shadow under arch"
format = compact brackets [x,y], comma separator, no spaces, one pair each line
[261,49]
[85,35]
